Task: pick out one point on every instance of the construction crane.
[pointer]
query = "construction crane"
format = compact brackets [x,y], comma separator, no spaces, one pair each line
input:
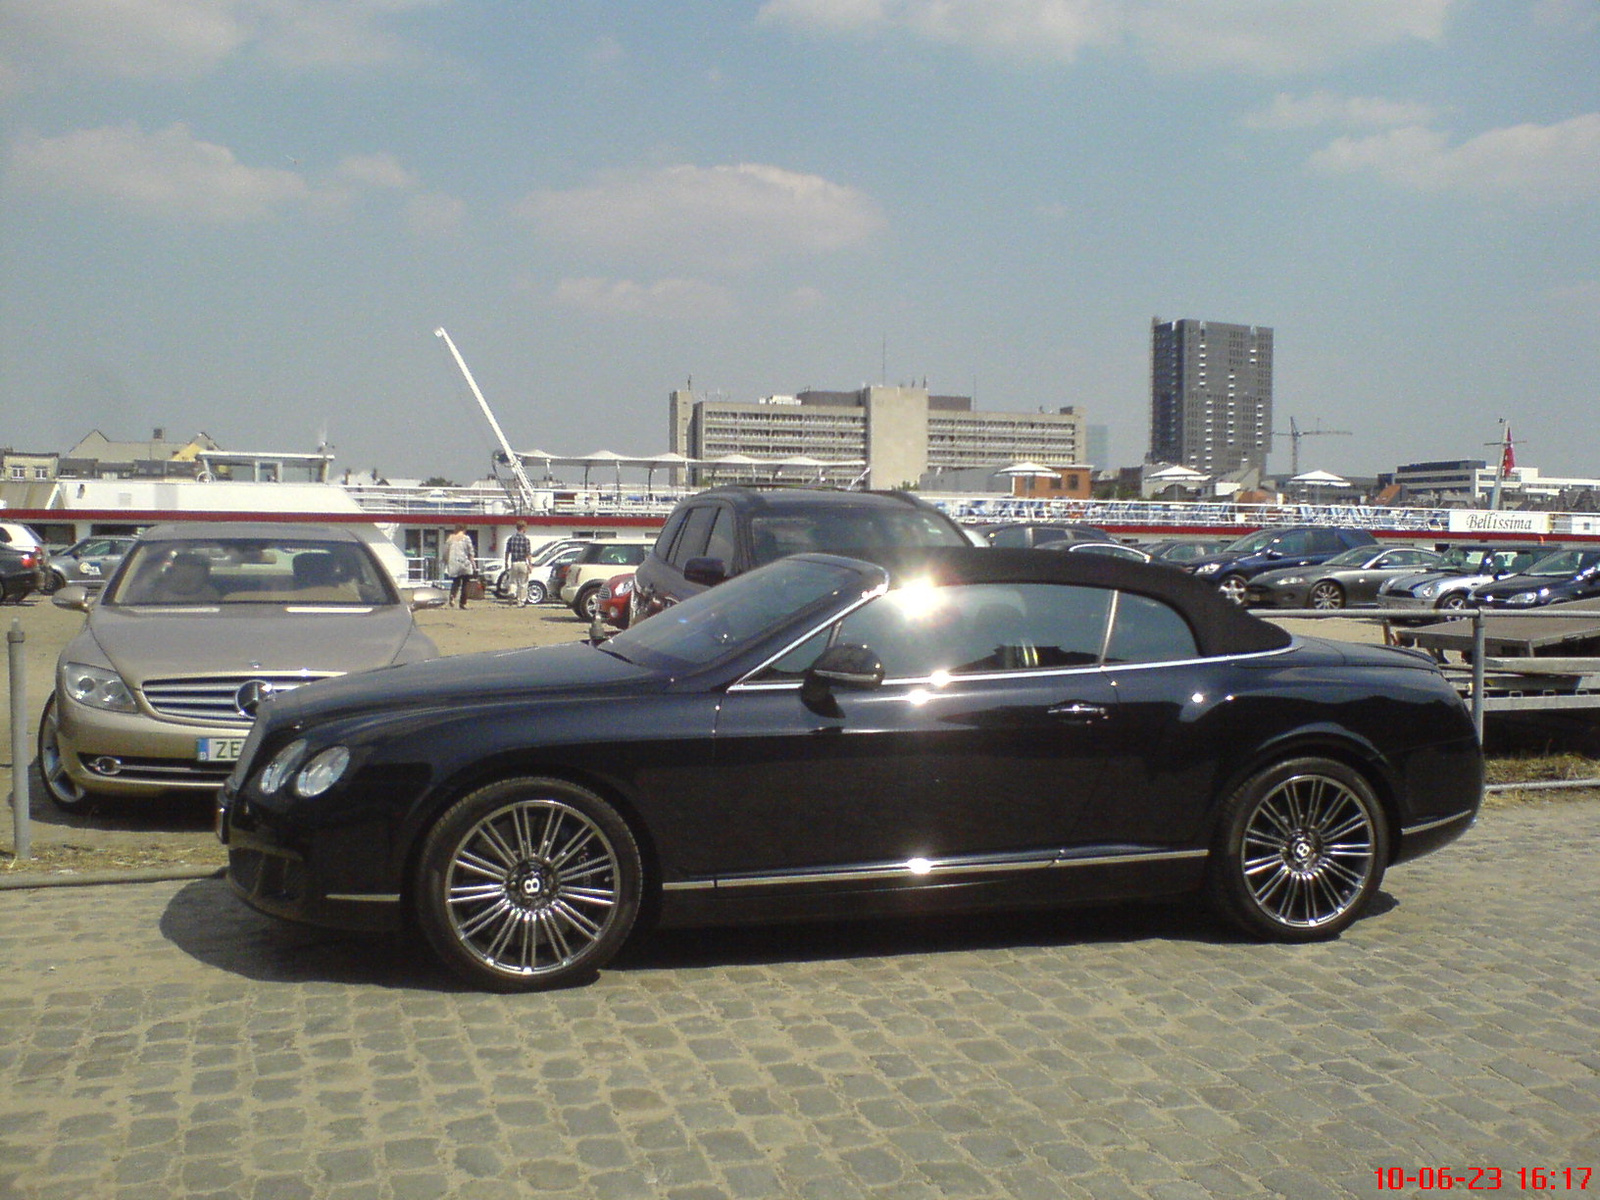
[1296,433]
[527,500]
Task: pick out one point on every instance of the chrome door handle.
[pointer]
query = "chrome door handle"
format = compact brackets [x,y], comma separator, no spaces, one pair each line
[1077,710]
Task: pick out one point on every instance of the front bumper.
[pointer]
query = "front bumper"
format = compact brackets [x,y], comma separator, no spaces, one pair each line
[137,754]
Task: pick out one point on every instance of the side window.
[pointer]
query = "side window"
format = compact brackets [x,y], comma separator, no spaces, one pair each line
[696,530]
[1326,541]
[668,532]
[723,542]
[1015,538]
[971,629]
[1146,630]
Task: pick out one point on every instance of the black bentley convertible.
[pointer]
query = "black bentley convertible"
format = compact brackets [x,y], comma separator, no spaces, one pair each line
[959,730]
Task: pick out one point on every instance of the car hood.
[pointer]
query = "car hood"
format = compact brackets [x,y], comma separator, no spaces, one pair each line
[1510,585]
[239,639]
[569,670]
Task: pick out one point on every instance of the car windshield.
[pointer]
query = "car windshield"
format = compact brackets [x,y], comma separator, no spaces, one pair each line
[217,571]
[1353,558]
[1565,562]
[1251,541]
[734,616]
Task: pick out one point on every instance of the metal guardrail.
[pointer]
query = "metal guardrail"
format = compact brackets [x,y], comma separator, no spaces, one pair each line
[1480,619]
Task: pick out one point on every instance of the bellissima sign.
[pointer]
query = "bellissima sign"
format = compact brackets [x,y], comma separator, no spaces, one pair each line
[1466,520]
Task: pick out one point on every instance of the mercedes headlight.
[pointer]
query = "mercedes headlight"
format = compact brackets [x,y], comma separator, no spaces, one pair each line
[97,687]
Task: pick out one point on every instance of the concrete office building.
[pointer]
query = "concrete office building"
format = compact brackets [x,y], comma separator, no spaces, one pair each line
[1210,395]
[890,436]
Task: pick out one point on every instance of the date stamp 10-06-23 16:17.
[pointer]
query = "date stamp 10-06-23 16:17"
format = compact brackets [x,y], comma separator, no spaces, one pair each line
[1485,1179]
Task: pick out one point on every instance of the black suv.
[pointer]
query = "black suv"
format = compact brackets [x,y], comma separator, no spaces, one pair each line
[1236,564]
[726,531]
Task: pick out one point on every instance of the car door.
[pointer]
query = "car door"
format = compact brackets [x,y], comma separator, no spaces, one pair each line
[983,740]
[1361,585]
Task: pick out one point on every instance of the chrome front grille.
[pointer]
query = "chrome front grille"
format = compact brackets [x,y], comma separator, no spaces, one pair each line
[221,699]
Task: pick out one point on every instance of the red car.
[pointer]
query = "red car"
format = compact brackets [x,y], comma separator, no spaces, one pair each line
[614,598]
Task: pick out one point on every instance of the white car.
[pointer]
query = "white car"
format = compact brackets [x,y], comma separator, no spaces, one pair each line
[587,574]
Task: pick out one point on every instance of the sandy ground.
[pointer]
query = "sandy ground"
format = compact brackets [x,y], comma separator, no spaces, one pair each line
[176,833]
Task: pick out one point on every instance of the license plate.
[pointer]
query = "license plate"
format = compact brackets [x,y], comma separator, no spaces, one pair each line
[219,749]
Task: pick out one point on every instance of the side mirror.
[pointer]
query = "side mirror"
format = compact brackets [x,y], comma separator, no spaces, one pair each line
[75,597]
[857,668]
[706,571]
[424,597]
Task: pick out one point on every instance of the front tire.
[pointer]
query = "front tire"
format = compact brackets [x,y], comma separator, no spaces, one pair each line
[66,794]
[1452,602]
[536,592]
[1233,589]
[1326,595]
[528,884]
[587,602]
[1300,851]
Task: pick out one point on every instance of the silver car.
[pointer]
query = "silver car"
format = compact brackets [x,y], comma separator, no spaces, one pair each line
[200,625]
[88,562]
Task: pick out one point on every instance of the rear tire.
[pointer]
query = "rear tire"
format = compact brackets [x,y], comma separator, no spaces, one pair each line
[1300,851]
[53,582]
[528,884]
[536,592]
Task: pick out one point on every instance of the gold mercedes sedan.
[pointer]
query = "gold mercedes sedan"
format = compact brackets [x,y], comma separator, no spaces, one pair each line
[199,627]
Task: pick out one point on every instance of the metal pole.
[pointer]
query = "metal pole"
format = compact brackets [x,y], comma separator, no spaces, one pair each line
[1478,625]
[19,742]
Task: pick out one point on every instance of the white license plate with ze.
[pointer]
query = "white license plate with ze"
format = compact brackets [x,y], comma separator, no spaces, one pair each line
[219,749]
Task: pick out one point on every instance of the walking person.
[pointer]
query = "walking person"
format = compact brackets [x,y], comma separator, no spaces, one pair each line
[519,562]
[459,564]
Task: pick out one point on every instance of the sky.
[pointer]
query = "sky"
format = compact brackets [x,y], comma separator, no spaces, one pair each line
[248,217]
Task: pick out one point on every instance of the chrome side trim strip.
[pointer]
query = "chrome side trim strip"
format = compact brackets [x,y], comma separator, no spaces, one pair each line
[364,897]
[919,869]
[1408,830]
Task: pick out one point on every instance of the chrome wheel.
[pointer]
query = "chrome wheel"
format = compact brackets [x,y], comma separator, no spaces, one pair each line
[529,884]
[1232,588]
[1451,601]
[1325,594]
[1304,850]
[536,592]
[68,796]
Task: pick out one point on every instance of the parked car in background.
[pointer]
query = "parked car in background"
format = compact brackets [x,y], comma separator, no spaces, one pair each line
[727,531]
[1555,579]
[586,574]
[1345,580]
[615,598]
[1232,568]
[824,738]
[545,555]
[1110,549]
[21,572]
[88,562]
[1177,551]
[1023,535]
[1448,585]
[198,627]
[20,537]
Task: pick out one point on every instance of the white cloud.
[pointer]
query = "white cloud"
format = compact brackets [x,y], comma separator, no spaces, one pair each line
[376,170]
[673,299]
[47,41]
[1536,164]
[169,173]
[733,217]
[1020,28]
[1326,108]
[1258,36]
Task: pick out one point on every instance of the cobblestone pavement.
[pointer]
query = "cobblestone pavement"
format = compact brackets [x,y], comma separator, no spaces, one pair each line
[160,1040]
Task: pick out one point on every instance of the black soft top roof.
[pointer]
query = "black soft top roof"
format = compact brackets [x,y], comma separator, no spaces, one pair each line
[1220,627]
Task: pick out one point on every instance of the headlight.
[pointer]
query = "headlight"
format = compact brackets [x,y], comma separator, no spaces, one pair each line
[97,687]
[1208,568]
[282,765]
[322,772]
[1428,590]
[1526,598]
[1292,581]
